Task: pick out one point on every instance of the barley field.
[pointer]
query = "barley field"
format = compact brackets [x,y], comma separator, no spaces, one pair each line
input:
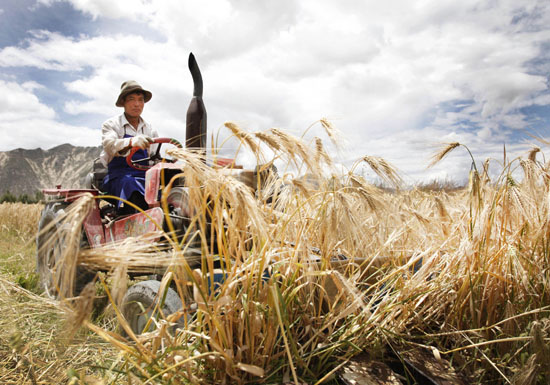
[320,269]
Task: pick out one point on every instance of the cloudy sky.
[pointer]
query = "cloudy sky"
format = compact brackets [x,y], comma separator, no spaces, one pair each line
[397,78]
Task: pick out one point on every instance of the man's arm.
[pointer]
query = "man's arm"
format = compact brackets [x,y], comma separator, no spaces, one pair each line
[112,143]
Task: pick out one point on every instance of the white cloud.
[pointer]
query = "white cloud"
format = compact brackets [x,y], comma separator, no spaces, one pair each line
[52,51]
[108,8]
[16,102]
[26,122]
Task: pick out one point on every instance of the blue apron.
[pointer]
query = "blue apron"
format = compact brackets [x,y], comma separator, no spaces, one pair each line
[122,180]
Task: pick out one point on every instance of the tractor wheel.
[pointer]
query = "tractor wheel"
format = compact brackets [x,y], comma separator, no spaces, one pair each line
[50,250]
[140,301]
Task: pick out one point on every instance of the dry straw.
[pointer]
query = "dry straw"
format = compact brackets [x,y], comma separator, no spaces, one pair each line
[329,267]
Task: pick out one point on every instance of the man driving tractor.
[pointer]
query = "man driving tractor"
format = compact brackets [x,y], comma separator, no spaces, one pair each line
[119,135]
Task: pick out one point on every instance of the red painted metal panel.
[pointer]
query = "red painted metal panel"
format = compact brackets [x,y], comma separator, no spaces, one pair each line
[152,183]
[94,227]
[137,224]
[153,179]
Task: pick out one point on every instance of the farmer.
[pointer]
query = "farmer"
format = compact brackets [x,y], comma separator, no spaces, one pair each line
[119,134]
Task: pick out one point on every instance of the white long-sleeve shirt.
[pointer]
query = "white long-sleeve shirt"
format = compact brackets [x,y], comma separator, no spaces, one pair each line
[112,136]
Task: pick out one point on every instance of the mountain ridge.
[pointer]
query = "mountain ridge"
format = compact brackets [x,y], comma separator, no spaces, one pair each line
[26,171]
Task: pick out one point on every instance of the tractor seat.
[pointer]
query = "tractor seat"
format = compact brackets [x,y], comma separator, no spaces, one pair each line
[94,179]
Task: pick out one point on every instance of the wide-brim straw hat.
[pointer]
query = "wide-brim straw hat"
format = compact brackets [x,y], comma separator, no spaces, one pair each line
[128,87]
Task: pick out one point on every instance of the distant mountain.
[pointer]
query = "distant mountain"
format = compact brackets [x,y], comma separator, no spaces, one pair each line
[28,171]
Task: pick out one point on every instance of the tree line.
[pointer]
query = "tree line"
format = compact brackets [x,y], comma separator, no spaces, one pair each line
[23,198]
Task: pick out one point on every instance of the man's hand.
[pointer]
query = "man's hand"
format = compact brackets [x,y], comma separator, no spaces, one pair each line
[141,141]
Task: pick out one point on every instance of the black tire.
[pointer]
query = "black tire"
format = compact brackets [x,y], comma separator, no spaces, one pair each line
[140,301]
[49,251]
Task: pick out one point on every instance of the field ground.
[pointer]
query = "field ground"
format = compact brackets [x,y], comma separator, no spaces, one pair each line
[32,328]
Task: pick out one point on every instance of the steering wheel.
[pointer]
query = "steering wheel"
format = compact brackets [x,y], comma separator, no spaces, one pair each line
[156,156]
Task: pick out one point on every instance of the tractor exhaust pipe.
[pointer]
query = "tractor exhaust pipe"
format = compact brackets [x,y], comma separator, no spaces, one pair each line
[195,134]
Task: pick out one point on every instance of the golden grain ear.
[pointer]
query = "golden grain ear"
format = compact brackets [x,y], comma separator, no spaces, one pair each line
[438,156]
[532,156]
[384,170]
[243,136]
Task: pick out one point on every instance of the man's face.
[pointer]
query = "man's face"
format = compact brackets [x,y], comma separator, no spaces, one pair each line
[133,105]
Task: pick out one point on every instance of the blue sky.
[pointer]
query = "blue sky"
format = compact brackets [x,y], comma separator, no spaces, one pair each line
[397,78]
